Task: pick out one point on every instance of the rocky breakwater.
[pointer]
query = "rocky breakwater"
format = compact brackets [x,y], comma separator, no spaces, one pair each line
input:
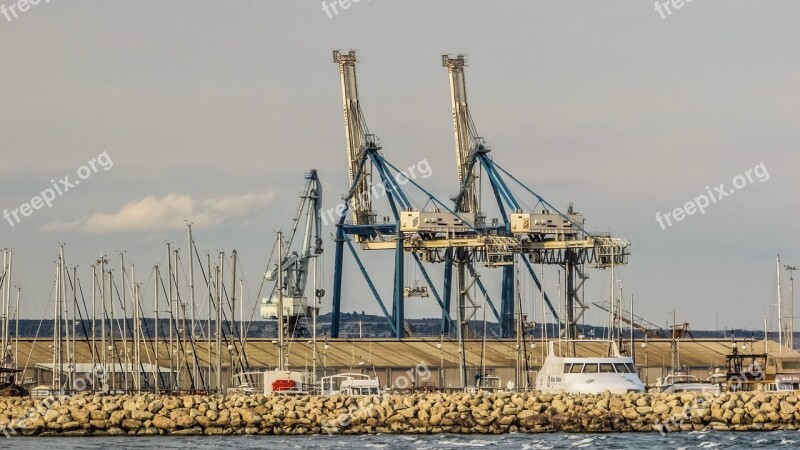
[500,412]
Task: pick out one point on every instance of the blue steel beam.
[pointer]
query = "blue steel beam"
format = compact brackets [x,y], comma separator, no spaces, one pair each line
[448,287]
[398,304]
[338,267]
[445,312]
[371,286]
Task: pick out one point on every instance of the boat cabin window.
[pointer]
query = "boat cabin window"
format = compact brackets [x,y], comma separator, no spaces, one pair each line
[630,367]
[590,368]
[606,368]
[621,368]
[576,368]
[567,367]
[790,366]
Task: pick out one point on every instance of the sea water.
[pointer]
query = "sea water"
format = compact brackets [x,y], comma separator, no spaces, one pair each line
[683,440]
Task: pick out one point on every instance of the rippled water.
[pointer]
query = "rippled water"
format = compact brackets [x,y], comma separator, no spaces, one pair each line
[711,439]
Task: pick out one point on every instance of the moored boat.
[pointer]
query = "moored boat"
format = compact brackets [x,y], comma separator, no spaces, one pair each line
[352,384]
[606,370]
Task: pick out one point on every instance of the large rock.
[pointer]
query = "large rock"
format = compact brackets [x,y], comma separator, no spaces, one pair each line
[558,406]
[131,424]
[118,416]
[70,426]
[99,415]
[51,416]
[155,406]
[141,415]
[185,421]
[163,423]
[250,417]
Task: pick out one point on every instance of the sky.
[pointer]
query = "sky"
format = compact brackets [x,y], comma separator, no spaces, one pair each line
[213,111]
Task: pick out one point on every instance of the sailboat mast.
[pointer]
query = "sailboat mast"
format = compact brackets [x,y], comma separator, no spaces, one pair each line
[103,316]
[113,342]
[179,343]
[55,324]
[5,298]
[220,278]
[191,295]
[171,347]
[233,307]
[780,306]
[157,373]
[137,357]
[94,324]
[73,358]
[790,337]
[123,300]
[208,325]
[60,315]
[281,356]
[16,331]
[242,334]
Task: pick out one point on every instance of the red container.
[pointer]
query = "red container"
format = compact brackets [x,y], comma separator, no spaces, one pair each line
[283,385]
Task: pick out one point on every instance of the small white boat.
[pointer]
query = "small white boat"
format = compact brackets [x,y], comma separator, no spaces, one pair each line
[353,384]
[486,384]
[606,370]
[683,382]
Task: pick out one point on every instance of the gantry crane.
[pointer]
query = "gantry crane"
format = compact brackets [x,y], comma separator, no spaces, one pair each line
[407,231]
[363,153]
[470,147]
[549,237]
[422,234]
[459,235]
[296,263]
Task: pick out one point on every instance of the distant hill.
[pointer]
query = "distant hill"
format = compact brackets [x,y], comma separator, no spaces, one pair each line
[353,325]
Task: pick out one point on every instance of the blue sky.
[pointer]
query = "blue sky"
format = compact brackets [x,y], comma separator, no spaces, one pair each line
[212,111]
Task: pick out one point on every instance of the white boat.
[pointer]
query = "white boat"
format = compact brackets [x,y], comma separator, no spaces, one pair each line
[486,384]
[683,382]
[353,384]
[607,370]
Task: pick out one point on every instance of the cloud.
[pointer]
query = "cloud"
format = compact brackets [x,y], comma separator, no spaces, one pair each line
[168,213]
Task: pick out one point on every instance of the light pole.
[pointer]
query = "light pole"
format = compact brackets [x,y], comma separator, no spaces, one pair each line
[230,364]
[325,358]
[527,375]
[441,361]
[790,340]
[646,367]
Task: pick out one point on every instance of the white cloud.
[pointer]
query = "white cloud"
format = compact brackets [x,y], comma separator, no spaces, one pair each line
[168,213]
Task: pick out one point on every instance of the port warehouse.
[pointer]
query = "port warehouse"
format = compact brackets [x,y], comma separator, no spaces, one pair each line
[389,359]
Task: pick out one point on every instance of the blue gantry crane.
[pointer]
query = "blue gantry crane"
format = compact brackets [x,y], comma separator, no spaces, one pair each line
[546,237]
[458,236]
